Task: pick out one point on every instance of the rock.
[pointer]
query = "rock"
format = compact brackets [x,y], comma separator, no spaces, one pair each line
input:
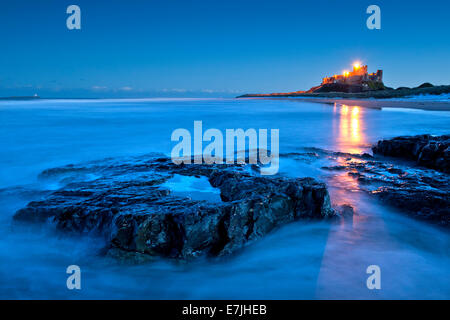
[395,170]
[345,211]
[423,194]
[428,151]
[420,192]
[337,87]
[334,168]
[139,217]
[432,205]
[366,156]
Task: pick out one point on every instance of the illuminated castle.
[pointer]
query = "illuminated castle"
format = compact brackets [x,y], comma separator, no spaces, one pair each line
[358,76]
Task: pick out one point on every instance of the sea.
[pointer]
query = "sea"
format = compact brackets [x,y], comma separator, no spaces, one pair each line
[302,260]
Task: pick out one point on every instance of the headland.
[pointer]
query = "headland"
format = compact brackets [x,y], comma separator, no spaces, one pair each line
[359,84]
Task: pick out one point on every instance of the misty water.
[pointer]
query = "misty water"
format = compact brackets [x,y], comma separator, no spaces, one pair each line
[312,260]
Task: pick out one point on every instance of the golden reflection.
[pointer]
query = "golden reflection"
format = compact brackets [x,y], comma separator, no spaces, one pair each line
[344,110]
[349,130]
[351,136]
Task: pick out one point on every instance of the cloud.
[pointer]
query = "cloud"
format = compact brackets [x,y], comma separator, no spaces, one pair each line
[99,88]
[209,91]
[174,90]
[125,88]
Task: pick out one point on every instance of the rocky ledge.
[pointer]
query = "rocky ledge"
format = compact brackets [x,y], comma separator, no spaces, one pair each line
[427,150]
[411,187]
[128,204]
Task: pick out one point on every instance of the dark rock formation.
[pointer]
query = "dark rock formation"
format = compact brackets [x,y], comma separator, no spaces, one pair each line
[127,204]
[428,151]
[432,205]
[336,87]
[345,211]
[347,88]
[420,192]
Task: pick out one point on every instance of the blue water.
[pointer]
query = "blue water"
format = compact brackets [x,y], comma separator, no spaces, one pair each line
[315,260]
[193,188]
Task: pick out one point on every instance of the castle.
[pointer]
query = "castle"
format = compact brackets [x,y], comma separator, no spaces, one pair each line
[358,76]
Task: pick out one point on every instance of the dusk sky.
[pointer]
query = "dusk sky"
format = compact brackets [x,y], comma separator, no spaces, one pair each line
[213,47]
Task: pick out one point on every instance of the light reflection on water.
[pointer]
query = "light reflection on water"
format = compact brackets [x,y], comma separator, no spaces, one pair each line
[351,129]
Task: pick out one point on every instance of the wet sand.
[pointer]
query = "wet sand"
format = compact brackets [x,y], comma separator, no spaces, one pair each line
[379,104]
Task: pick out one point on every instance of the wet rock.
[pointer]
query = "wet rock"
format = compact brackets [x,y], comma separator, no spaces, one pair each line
[366,156]
[137,217]
[420,192]
[395,170]
[428,151]
[432,205]
[424,194]
[335,168]
[345,211]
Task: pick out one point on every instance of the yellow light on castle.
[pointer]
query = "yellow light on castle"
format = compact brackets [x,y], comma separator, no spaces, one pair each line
[345,73]
[356,65]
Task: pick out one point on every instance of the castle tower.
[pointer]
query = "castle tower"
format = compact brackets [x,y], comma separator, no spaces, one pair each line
[380,75]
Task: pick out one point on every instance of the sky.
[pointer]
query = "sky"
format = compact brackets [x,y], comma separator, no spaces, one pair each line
[138,48]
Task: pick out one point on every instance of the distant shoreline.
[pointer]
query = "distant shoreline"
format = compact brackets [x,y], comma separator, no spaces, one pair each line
[103,98]
[20,98]
[378,94]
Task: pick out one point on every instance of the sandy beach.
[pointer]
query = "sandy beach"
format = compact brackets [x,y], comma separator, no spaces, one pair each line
[379,104]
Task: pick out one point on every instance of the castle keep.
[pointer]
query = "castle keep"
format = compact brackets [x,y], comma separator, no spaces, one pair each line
[359,76]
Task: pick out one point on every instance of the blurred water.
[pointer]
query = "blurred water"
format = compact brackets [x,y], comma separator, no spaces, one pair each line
[301,260]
